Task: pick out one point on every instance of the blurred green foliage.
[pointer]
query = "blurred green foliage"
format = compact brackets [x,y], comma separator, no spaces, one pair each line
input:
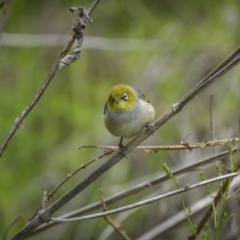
[191,38]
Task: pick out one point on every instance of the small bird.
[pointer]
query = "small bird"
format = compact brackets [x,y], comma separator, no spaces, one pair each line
[127,111]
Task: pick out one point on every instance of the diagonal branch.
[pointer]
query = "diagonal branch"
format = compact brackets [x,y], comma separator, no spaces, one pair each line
[185,168]
[19,120]
[116,227]
[5,4]
[36,98]
[224,67]
[208,214]
[150,200]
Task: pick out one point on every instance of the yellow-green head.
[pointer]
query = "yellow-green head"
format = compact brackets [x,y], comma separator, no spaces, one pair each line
[122,97]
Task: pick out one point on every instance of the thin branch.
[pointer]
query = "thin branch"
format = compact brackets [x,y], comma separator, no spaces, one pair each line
[148,201]
[19,120]
[2,3]
[70,175]
[208,214]
[139,187]
[224,67]
[170,223]
[232,60]
[5,4]
[44,199]
[116,227]
[185,146]
[10,226]
[211,122]
[92,6]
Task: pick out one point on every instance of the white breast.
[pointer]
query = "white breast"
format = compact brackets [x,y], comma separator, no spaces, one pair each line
[129,123]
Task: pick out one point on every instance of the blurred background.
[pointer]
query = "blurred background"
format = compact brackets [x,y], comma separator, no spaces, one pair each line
[162,48]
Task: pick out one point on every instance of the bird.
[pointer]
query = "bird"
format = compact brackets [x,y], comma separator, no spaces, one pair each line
[127,111]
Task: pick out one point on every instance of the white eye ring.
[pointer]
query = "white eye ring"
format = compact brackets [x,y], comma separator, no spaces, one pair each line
[125,96]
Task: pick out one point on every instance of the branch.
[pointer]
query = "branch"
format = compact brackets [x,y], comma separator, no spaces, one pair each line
[225,66]
[19,120]
[36,98]
[116,227]
[171,222]
[139,187]
[183,146]
[208,214]
[83,166]
[5,4]
[211,122]
[14,221]
[148,201]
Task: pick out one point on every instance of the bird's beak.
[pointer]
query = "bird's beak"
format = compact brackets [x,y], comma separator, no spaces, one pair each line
[117,100]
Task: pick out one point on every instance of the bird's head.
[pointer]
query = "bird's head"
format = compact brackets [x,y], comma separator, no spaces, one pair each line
[121,98]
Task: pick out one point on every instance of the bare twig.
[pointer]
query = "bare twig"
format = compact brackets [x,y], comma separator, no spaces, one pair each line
[44,199]
[83,166]
[211,122]
[232,60]
[225,66]
[19,120]
[2,3]
[170,223]
[116,227]
[82,19]
[208,214]
[178,147]
[4,237]
[6,5]
[148,201]
[139,187]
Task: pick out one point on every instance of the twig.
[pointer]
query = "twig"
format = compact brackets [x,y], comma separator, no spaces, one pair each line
[19,120]
[10,226]
[2,3]
[44,199]
[92,6]
[170,223]
[6,5]
[36,98]
[211,122]
[83,166]
[117,228]
[232,60]
[178,147]
[225,66]
[82,19]
[208,214]
[148,201]
[139,187]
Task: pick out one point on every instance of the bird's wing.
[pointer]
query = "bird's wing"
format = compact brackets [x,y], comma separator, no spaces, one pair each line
[105,108]
[141,96]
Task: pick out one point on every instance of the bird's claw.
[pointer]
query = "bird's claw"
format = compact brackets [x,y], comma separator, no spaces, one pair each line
[122,149]
[149,127]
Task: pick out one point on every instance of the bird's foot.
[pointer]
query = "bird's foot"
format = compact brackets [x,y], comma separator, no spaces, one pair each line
[122,149]
[149,127]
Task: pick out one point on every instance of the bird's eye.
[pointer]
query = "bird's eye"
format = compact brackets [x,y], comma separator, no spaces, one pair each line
[125,96]
[113,99]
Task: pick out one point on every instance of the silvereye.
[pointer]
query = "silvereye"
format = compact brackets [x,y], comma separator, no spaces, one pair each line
[127,111]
